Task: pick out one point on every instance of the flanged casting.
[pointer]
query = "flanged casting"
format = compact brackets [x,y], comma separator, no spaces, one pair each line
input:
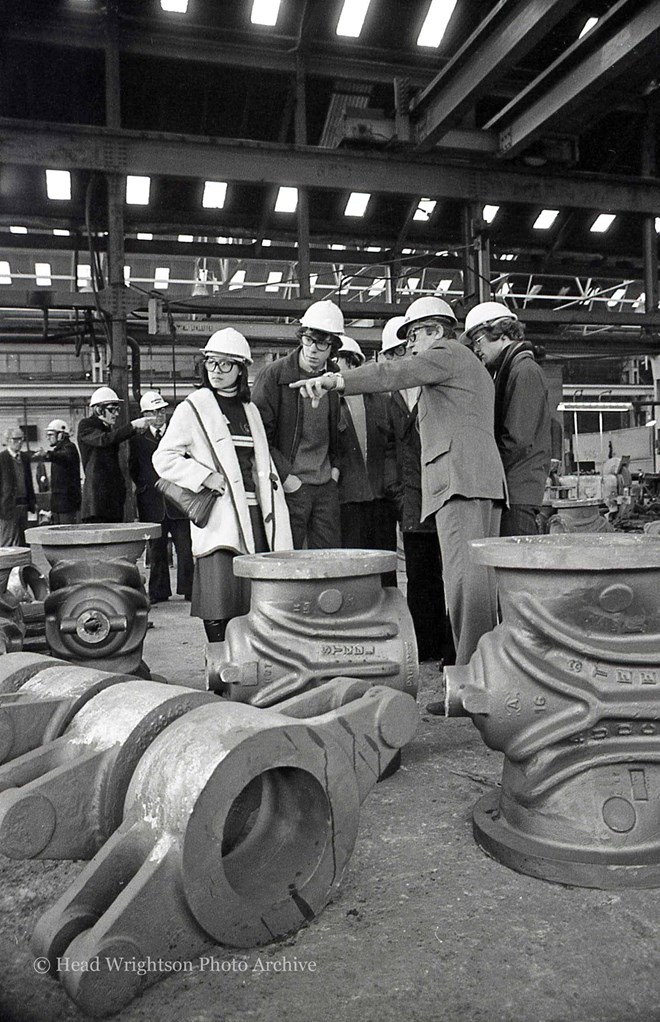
[97,609]
[578,516]
[568,687]
[314,614]
[238,826]
[12,624]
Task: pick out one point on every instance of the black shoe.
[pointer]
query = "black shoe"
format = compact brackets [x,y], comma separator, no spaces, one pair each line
[436,709]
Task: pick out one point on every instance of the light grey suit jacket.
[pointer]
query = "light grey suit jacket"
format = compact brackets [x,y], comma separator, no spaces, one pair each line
[456,415]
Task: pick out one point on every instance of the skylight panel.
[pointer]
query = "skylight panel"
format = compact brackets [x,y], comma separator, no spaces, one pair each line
[174,6]
[413,283]
[313,277]
[18,230]
[237,281]
[489,213]
[137,190]
[337,248]
[616,297]
[657,225]
[162,277]
[587,27]
[274,278]
[58,185]
[445,285]
[84,276]
[144,236]
[42,274]
[424,210]
[127,274]
[378,286]
[287,200]
[545,219]
[61,233]
[185,237]
[266,243]
[352,18]
[436,22]
[5,272]
[215,193]
[265,12]
[357,204]
[376,248]
[602,223]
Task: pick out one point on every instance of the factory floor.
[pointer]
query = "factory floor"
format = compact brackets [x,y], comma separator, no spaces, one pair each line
[425,928]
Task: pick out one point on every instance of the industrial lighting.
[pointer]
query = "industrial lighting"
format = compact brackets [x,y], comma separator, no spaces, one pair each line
[144,237]
[18,230]
[337,248]
[424,209]
[274,278]
[489,213]
[594,406]
[357,203]
[616,297]
[5,272]
[266,243]
[237,281]
[287,200]
[588,25]
[436,22]
[602,223]
[185,237]
[42,274]
[352,17]
[174,6]
[265,12]
[215,193]
[137,190]
[545,219]
[373,248]
[407,251]
[162,277]
[657,225]
[58,185]
[60,233]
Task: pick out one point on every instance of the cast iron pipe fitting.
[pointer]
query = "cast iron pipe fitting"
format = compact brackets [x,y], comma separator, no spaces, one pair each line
[568,688]
[577,516]
[12,625]
[314,614]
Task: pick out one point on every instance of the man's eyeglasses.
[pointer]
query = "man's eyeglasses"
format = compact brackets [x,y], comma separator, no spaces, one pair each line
[321,344]
[112,408]
[220,365]
[18,439]
[397,352]
[421,330]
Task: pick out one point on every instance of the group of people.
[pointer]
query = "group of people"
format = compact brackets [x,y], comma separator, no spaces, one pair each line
[448,435]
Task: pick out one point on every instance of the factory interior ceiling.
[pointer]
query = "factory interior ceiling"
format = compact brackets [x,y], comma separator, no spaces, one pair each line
[509,152]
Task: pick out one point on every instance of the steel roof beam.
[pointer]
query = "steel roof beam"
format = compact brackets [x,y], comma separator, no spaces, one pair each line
[75,147]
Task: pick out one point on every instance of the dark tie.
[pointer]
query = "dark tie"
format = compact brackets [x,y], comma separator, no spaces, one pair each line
[157,435]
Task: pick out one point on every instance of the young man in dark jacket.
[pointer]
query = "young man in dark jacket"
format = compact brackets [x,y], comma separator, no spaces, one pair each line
[65,489]
[16,489]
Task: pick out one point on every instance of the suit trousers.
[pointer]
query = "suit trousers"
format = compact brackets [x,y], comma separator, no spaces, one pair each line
[12,530]
[425,596]
[470,589]
[159,572]
[314,516]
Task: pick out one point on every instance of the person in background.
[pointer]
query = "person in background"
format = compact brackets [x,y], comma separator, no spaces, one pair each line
[424,589]
[367,466]
[65,489]
[216,439]
[99,440]
[303,439]
[153,507]
[522,412]
[16,489]
[462,476]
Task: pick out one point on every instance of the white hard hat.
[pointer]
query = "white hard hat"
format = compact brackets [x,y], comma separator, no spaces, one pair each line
[425,308]
[390,339]
[152,401]
[349,345]
[57,426]
[484,314]
[229,342]
[324,316]
[104,396]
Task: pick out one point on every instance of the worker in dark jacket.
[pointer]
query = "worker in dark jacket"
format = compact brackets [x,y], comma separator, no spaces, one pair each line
[302,439]
[104,489]
[65,490]
[152,507]
[16,489]
[522,412]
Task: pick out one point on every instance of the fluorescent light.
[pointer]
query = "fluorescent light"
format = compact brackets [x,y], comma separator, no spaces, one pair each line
[61,233]
[407,251]
[508,257]
[616,297]
[357,203]
[375,248]
[127,274]
[489,213]
[137,190]
[337,248]
[588,25]
[84,275]
[42,274]
[264,12]
[545,219]
[287,200]
[162,277]
[185,237]
[378,286]
[436,22]
[18,230]
[215,193]
[144,237]
[266,243]
[602,223]
[5,272]
[424,209]
[174,6]
[237,280]
[58,185]
[594,406]
[274,278]
[657,225]
[444,285]
[352,17]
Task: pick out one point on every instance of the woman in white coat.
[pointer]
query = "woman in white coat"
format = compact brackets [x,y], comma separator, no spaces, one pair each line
[250,515]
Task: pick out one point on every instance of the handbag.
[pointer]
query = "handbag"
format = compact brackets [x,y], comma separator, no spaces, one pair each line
[195,506]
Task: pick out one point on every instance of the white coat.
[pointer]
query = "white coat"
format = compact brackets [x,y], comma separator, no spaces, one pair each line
[183,456]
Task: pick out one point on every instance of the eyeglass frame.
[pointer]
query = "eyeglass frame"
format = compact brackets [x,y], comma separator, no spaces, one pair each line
[307,341]
[428,328]
[224,365]
[111,406]
[21,438]
[398,351]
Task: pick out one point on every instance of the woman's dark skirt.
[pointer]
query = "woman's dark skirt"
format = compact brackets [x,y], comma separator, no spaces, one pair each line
[217,593]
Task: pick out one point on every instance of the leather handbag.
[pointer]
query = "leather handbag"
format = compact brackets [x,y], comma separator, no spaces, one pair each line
[196,506]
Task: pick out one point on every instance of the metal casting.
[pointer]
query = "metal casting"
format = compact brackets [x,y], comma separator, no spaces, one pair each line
[577,516]
[97,609]
[238,826]
[12,625]
[568,688]
[30,588]
[314,614]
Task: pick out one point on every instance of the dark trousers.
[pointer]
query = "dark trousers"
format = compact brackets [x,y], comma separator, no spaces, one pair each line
[519,520]
[314,516]
[370,525]
[12,530]
[159,573]
[65,517]
[426,597]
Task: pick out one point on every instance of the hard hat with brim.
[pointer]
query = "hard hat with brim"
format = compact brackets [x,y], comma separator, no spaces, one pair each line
[229,342]
[427,307]
[484,314]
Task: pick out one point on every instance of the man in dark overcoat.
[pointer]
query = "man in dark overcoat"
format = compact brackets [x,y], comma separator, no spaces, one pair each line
[16,489]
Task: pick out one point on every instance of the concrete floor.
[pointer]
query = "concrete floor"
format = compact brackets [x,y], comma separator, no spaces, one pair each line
[425,927]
